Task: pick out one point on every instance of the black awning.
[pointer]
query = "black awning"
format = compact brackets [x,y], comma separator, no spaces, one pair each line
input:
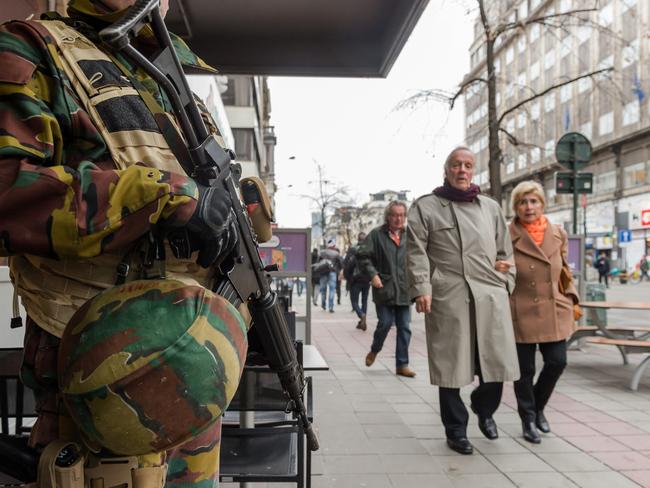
[297,37]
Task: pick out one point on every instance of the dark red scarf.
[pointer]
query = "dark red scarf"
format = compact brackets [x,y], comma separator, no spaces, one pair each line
[455,195]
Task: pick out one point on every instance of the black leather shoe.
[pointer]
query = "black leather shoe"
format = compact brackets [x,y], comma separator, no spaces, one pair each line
[461,445]
[530,432]
[487,425]
[542,423]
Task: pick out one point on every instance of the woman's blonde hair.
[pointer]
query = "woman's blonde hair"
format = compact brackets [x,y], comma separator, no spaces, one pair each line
[524,188]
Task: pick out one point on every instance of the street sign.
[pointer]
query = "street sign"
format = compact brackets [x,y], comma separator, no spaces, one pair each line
[624,235]
[564,182]
[573,151]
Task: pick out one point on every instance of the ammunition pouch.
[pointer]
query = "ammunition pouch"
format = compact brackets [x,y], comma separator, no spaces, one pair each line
[90,471]
[258,206]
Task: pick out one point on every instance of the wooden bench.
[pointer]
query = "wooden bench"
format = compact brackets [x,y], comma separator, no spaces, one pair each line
[629,346]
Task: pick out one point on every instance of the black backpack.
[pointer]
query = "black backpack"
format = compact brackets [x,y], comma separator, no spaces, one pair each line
[350,263]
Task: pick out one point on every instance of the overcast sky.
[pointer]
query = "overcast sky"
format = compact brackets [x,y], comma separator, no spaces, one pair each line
[351,128]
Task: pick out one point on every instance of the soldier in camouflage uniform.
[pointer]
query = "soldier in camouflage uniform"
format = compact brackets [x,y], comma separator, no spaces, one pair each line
[72,210]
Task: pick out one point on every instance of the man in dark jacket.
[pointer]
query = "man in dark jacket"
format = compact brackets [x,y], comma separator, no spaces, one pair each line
[602,265]
[382,258]
[357,283]
[330,274]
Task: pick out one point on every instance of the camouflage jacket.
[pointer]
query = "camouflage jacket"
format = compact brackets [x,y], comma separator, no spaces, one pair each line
[60,193]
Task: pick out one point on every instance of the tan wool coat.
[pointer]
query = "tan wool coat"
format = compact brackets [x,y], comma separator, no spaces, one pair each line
[452,259]
[540,313]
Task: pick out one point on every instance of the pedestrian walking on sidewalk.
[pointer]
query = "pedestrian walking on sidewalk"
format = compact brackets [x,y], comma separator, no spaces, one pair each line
[542,304]
[357,283]
[603,267]
[382,258]
[331,265]
[461,270]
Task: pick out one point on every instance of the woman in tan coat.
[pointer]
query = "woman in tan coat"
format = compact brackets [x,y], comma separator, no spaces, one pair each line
[542,315]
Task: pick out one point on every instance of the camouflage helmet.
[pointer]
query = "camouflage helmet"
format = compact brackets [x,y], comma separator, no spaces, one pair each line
[147,365]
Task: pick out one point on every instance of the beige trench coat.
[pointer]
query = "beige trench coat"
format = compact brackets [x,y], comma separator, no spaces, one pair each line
[470,306]
[539,312]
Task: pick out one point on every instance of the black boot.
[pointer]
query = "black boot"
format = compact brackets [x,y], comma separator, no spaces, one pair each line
[530,432]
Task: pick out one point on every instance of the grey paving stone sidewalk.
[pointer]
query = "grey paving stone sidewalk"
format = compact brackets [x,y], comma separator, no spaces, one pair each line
[379,430]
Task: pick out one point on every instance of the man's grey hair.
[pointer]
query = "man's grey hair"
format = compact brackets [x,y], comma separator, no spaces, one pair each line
[454,150]
[389,208]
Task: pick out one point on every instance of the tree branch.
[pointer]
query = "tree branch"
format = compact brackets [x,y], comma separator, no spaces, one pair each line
[461,89]
[422,97]
[549,89]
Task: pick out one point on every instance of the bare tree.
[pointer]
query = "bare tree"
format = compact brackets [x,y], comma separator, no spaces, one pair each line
[349,220]
[328,196]
[493,31]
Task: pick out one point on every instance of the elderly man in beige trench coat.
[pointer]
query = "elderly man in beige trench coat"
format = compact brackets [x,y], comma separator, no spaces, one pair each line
[461,271]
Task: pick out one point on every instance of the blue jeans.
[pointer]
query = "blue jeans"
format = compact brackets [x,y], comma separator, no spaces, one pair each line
[387,315]
[328,280]
[357,289]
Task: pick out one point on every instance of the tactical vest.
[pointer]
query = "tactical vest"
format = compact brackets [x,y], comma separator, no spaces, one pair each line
[52,290]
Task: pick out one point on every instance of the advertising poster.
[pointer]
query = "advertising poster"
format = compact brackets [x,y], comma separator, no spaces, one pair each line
[287,249]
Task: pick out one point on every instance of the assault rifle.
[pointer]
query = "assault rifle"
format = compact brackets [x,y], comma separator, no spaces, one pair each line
[244,277]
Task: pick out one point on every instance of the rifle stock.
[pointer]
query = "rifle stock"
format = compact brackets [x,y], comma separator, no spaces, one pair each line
[244,277]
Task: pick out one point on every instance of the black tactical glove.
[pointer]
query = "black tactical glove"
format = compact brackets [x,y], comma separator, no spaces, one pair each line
[212,226]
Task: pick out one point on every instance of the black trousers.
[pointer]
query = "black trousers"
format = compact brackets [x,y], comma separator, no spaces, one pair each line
[532,398]
[485,401]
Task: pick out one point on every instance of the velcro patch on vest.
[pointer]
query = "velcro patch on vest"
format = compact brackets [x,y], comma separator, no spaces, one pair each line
[102,73]
[126,113]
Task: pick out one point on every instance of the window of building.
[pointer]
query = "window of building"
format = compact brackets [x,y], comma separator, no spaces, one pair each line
[630,54]
[521,80]
[521,120]
[606,182]
[565,93]
[549,147]
[534,70]
[535,154]
[549,59]
[509,90]
[523,10]
[565,5]
[565,48]
[586,129]
[584,33]
[534,32]
[627,4]
[605,15]
[521,43]
[244,144]
[521,161]
[634,175]
[549,102]
[534,4]
[631,113]
[534,111]
[510,125]
[584,84]
[497,65]
[483,143]
[608,62]
[606,124]
[510,168]
[510,55]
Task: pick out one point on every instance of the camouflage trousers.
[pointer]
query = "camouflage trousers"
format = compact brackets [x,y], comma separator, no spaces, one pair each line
[193,464]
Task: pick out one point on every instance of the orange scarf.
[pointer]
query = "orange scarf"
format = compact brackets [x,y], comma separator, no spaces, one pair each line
[536,229]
